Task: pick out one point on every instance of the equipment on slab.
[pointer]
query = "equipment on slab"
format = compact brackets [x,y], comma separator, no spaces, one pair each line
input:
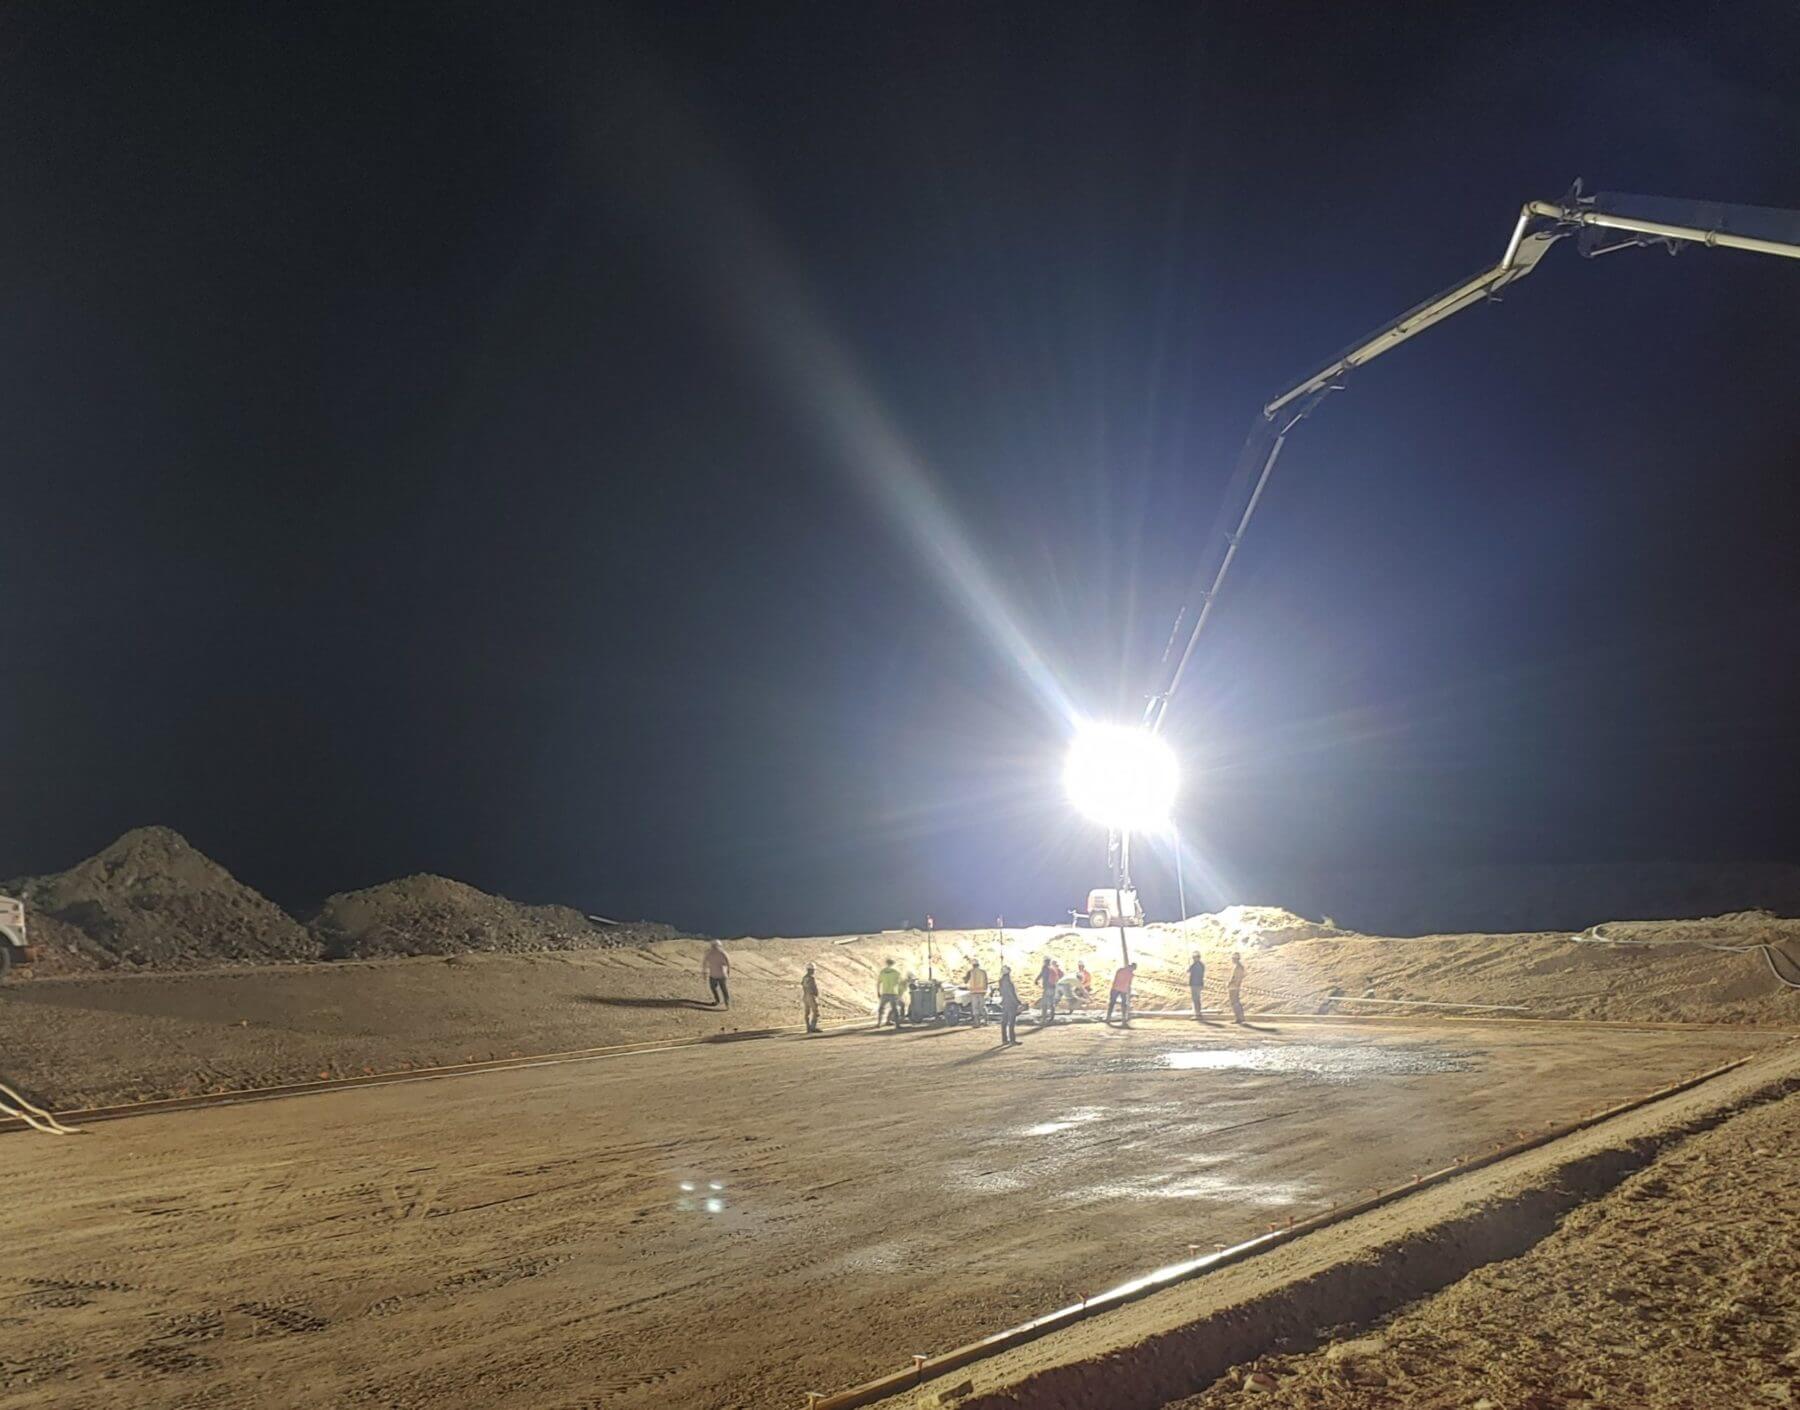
[14,949]
[923,1001]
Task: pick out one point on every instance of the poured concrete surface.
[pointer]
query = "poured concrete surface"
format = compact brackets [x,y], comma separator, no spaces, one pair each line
[727,1225]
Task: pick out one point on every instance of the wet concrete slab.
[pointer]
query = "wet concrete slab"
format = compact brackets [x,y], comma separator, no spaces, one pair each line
[729,1225]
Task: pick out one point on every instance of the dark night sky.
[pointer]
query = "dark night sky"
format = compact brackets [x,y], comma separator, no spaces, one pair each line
[472,439]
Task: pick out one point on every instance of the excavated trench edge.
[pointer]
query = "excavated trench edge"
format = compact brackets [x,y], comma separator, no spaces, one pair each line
[1183,1360]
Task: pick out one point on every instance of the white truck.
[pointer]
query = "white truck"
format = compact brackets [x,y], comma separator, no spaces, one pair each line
[13,947]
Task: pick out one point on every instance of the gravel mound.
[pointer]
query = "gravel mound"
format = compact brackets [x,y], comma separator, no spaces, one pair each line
[433,915]
[152,901]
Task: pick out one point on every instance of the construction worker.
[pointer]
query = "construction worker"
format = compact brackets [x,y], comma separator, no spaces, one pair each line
[1197,985]
[1078,990]
[809,999]
[1049,977]
[888,989]
[1009,1008]
[1234,987]
[715,964]
[975,981]
[1120,998]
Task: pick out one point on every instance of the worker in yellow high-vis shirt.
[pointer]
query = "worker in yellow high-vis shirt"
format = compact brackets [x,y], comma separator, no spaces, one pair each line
[888,990]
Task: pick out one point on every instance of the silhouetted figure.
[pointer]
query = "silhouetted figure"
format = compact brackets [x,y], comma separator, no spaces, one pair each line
[715,964]
[1049,977]
[1009,1008]
[809,999]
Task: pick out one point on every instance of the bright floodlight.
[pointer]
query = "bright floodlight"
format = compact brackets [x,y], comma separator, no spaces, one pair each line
[1122,776]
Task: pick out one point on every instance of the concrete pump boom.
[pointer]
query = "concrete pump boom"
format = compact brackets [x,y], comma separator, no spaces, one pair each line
[1637,220]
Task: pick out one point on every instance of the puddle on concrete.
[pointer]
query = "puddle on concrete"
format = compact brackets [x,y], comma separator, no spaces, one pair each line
[1270,1194]
[1068,1121]
[1320,1062]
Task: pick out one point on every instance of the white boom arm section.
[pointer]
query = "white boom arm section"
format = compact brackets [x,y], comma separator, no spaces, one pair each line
[1638,220]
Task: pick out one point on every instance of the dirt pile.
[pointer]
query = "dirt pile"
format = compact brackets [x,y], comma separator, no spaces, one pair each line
[151,900]
[1261,926]
[433,915]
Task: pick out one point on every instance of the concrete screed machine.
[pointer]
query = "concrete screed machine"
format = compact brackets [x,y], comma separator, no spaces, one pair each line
[1602,223]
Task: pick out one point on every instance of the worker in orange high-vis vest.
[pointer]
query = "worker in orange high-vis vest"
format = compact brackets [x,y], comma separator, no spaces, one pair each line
[1121,993]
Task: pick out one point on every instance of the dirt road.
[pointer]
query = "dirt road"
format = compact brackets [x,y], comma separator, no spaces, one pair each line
[728,1225]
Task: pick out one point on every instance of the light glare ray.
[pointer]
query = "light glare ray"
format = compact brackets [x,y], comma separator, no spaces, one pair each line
[775,318]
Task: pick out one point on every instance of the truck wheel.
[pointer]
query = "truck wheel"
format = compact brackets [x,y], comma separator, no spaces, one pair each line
[6,960]
[1099,920]
[953,1014]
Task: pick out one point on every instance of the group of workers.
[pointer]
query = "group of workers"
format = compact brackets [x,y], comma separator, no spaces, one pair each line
[1055,989]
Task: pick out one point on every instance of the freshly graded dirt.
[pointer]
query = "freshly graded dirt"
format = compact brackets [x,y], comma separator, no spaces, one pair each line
[728,1225]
